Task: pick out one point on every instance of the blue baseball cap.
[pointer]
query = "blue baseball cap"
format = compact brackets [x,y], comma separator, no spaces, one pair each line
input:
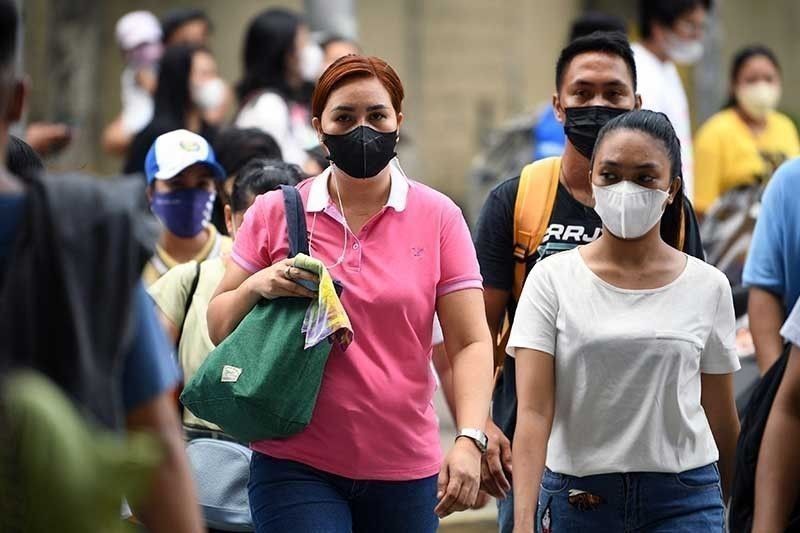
[175,151]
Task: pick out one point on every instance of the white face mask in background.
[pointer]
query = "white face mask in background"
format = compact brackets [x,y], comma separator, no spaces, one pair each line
[209,95]
[629,210]
[311,58]
[683,51]
[758,99]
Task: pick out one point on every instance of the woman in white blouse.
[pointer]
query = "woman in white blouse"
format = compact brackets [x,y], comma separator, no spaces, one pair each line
[625,352]
[275,90]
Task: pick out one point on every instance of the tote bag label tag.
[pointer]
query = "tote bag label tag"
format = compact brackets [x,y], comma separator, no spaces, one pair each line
[230,374]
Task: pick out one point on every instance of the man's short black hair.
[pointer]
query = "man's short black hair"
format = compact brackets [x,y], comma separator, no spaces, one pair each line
[665,12]
[9,23]
[592,21]
[176,18]
[612,43]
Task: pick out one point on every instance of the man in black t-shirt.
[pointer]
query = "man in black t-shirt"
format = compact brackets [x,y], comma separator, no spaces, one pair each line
[595,81]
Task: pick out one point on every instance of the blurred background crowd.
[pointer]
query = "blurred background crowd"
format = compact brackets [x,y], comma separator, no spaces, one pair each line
[470,68]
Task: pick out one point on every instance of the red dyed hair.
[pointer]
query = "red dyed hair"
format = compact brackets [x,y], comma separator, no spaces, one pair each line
[352,67]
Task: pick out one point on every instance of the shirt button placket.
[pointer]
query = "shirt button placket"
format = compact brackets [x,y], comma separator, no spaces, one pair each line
[354,256]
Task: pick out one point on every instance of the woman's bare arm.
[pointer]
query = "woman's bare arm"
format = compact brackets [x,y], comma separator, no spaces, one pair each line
[536,388]
[718,403]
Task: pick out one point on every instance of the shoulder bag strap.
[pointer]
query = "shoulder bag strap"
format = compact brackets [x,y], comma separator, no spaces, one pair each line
[295,220]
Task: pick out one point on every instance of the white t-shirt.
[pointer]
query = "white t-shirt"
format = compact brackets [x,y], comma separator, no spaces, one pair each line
[290,126]
[627,364]
[662,90]
[137,103]
[437,336]
[791,328]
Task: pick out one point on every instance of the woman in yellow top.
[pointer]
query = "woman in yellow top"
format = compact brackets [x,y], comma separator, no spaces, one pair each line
[748,140]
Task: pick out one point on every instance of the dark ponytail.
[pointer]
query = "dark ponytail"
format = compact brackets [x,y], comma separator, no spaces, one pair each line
[657,126]
[260,176]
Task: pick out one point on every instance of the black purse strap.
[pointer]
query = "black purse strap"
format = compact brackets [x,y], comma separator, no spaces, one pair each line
[295,221]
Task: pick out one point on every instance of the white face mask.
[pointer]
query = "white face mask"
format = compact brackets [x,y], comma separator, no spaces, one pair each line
[209,94]
[683,51]
[629,210]
[758,99]
[311,57]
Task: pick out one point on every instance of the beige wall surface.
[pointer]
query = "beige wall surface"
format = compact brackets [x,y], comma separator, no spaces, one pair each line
[472,65]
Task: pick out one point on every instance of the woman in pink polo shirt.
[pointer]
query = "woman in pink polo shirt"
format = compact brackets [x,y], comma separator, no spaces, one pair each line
[370,458]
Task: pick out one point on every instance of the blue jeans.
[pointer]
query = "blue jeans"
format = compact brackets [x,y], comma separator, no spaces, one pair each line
[689,502]
[289,496]
[505,514]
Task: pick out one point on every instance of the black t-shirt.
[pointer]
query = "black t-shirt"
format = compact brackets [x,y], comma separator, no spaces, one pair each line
[571,224]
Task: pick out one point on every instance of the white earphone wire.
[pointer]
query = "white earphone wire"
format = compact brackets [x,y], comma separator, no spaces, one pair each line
[344,224]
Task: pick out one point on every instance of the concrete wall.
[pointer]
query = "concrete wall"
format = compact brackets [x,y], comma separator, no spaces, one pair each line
[470,66]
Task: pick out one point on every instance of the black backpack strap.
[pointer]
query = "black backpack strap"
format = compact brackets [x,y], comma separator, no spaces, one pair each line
[192,290]
[748,445]
[295,220]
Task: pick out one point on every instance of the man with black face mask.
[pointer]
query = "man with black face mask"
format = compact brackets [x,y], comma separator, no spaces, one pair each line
[595,82]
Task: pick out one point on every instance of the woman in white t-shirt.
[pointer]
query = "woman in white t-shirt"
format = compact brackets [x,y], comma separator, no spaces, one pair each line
[280,65]
[625,351]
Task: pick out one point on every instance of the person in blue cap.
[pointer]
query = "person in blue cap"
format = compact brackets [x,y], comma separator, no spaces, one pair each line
[182,175]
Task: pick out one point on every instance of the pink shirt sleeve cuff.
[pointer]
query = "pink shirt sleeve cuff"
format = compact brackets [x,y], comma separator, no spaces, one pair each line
[244,263]
[459,285]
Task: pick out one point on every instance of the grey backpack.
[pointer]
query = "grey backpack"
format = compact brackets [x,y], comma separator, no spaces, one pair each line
[221,470]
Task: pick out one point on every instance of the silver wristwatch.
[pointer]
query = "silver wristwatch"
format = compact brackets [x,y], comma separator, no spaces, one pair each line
[475,435]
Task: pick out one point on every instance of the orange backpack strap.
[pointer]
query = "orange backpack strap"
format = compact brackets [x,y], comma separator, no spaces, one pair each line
[534,206]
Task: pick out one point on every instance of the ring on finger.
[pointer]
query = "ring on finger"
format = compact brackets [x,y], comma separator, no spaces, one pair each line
[288,273]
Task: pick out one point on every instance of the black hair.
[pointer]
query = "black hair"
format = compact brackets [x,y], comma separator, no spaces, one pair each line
[22,160]
[592,21]
[260,176]
[270,37]
[176,18]
[173,96]
[317,154]
[613,43]
[9,26]
[657,126]
[742,57]
[665,12]
[235,147]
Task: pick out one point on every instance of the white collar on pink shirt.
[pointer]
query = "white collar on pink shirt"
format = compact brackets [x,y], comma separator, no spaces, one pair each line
[319,199]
